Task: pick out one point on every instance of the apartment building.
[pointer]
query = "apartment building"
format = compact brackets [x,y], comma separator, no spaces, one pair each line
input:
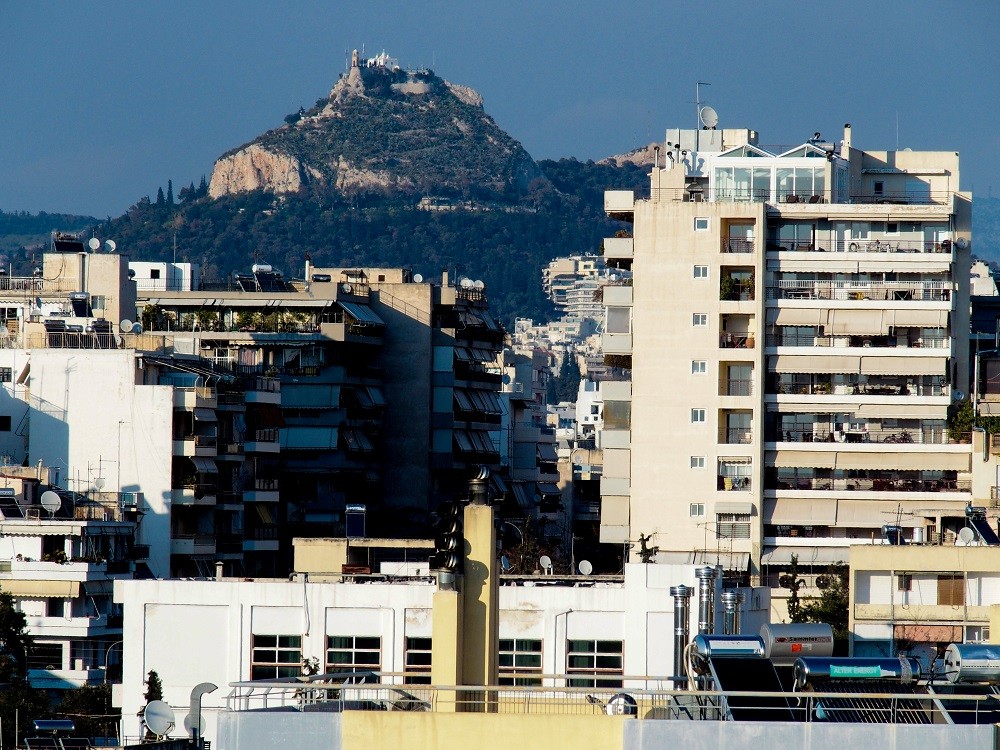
[797,326]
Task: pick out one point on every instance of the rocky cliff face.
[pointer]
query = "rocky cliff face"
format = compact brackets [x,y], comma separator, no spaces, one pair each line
[385,130]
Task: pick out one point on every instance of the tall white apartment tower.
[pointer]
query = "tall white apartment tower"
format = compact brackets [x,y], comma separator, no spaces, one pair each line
[797,327]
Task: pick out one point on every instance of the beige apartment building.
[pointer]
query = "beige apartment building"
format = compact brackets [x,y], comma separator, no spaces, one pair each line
[797,326]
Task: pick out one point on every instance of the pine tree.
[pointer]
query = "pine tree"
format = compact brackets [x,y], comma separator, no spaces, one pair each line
[202,187]
[170,192]
[154,688]
[159,196]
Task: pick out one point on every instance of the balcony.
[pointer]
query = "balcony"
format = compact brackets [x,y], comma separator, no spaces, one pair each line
[737,436]
[875,245]
[261,491]
[924,291]
[194,494]
[619,204]
[618,248]
[858,342]
[195,398]
[195,445]
[740,245]
[873,385]
[262,441]
[192,544]
[230,450]
[263,390]
[734,483]
[856,484]
[617,343]
[931,435]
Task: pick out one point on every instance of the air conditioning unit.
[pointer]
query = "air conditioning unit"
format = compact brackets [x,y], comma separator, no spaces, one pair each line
[518,387]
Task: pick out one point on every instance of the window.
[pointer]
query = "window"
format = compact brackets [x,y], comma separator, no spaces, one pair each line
[699,320]
[417,661]
[353,653]
[701,224]
[154,273]
[696,509]
[4,423]
[619,320]
[904,582]
[99,302]
[878,187]
[697,416]
[8,313]
[274,656]
[600,661]
[699,367]
[732,525]
[6,374]
[701,272]
[951,590]
[697,462]
[45,656]
[617,415]
[892,227]
[520,662]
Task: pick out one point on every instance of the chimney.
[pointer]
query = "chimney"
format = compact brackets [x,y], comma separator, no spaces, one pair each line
[681,595]
[308,267]
[444,278]
[218,570]
[732,601]
[706,600]
[845,145]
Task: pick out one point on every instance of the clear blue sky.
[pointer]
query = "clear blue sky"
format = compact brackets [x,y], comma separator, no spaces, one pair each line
[103,102]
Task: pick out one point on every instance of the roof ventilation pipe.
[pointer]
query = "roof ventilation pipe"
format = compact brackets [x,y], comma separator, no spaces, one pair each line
[706,600]
[682,616]
[732,603]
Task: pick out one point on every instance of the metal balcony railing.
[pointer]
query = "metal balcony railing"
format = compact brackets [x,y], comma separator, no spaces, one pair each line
[857,484]
[736,341]
[738,436]
[875,245]
[934,291]
[738,387]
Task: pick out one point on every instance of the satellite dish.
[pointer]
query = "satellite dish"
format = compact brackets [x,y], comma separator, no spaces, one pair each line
[965,537]
[110,246]
[137,328]
[585,567]
[545,563]
[709,117]
[958,396]
[159,717]
[125,326]
[465,283]
[189,726]
[93,243]
[347,288]
[131,273]
[478,284]
[962,243]
[418,278]
[100,483]
[51,501]
[505,565]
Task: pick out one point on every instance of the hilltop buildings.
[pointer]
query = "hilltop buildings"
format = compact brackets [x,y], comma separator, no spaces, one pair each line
[797,328]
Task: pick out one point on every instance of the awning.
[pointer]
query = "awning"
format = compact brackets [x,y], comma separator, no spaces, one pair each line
[735,561]
[899,460]
[737,508]
[27,589]
[920,318]
[901,411]
[547,452]
[785,511]
[204,465]
[903,365]
[805,555]
[205,415]
[263,416]
[857,323]
[522,495]
[362,314]
[818,364]
[548,489]
[802,459]
[798,316]
[874,514]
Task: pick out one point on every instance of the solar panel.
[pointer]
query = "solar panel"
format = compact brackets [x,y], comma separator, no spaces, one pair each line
[985,531]
[854,710]
[752,675]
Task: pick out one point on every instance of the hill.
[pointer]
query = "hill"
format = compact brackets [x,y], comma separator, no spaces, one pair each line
[21,231]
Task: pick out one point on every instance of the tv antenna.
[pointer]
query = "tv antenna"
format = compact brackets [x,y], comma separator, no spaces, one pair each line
[697,101]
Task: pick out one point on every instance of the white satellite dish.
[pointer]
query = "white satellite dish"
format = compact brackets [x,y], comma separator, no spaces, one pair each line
[110,246]
[709,117]
[545,563]
[159,717]
[100,483]
[418,278]
[51,501]
[585,567]
[347,288]
[125,326]
[478,284]
[465,283]
[93,243]
[965,537]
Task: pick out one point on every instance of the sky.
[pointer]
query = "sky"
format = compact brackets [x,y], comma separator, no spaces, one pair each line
[103,102]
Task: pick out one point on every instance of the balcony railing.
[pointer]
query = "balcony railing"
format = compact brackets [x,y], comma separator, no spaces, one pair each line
[738,436]
[825,388]
[880,245]
[200,441]
[738,387]
[892,342]
[267,435]
[860,290]
[736,341]
[898,436]
[872,485]
[734,484]
[737,245]
[920,198]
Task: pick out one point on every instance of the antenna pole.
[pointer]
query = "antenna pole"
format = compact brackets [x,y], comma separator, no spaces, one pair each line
[697,103]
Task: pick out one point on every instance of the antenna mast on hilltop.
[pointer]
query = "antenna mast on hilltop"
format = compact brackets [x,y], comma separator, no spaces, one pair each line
[697,102]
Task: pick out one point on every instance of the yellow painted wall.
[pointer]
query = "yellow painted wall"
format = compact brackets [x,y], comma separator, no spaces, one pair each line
[375,730]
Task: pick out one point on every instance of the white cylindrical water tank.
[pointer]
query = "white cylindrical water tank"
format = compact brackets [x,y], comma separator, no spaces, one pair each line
[972,662]
[918,535]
